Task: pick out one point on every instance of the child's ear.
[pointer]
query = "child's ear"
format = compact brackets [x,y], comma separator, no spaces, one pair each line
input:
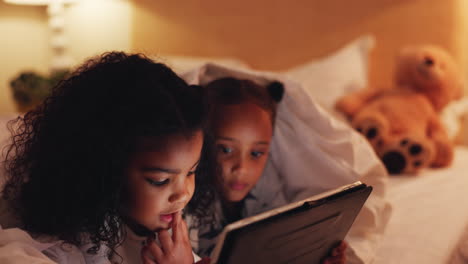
[276,91]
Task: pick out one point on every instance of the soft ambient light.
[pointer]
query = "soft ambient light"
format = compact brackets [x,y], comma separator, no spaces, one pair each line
[28,2]
[55,11]
[36,2]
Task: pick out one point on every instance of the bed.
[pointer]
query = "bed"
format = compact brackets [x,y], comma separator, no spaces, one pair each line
[429,215]
[426,224]
[429,221]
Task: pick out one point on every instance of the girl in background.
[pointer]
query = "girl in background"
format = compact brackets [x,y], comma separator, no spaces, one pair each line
[242,123]
[102,170]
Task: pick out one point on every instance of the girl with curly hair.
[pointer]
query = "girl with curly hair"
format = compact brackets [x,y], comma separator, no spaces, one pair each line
[102,170]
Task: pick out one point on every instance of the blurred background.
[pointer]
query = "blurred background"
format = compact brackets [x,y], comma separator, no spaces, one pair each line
[264,34]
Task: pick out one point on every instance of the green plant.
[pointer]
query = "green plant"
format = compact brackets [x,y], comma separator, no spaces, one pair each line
[30,89]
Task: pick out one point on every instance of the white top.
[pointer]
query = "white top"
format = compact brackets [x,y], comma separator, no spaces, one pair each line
[17,246]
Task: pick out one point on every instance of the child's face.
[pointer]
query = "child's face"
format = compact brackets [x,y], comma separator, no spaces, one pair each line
[161,178]
[243,133]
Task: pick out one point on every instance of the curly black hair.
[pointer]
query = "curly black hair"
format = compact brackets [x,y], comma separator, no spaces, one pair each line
[66,162]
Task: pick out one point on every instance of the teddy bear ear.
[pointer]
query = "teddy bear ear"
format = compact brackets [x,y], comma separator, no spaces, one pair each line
[276,91]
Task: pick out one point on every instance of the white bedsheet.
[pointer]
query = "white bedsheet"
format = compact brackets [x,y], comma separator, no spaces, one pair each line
[430,214]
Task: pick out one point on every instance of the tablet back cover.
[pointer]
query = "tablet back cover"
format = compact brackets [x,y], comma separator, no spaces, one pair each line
[306,238]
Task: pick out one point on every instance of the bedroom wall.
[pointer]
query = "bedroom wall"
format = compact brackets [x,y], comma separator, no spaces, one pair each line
[463,14]
[24,45]
[97,26]
[92,27]
[267,34]
[275,34]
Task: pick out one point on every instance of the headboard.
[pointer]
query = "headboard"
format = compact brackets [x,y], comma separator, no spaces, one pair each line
[276,34]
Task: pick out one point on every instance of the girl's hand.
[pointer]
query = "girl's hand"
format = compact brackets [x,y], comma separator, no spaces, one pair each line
[337,255]
[173,250]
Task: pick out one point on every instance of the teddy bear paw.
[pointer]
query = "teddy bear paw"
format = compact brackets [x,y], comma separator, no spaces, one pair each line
[373,131]
[407,156]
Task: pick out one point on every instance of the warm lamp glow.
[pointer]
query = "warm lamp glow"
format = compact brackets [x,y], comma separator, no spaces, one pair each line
[28,2]
[55,9]
[37,2]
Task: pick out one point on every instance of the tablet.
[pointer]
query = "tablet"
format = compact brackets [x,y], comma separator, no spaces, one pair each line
[302,232]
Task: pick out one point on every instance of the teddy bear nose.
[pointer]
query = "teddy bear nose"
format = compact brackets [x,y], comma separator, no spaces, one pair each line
[394,162]
[428,61]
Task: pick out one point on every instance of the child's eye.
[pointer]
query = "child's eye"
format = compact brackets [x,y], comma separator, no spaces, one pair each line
[224,149]
[191,173]
[157,183]
[257,154]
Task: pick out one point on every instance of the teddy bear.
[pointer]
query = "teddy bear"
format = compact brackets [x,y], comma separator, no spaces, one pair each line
[402,121]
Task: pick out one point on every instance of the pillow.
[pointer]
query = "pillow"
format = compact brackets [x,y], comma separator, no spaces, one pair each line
[312,152]
[335,75]
[181,64]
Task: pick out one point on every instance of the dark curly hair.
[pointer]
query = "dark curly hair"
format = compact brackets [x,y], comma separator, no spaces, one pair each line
[66,162]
